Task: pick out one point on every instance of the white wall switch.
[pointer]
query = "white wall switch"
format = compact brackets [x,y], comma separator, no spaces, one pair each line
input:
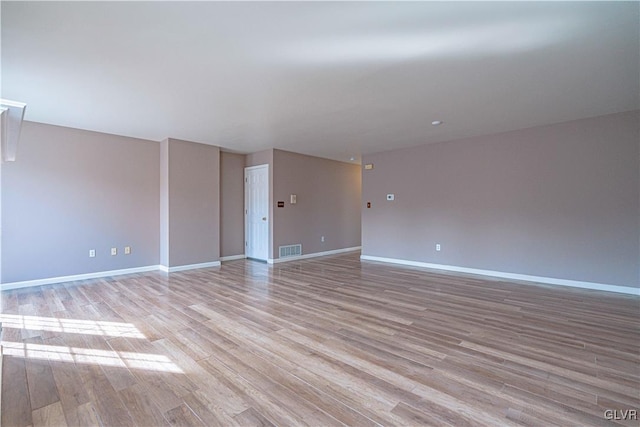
[391,196]
[127,250]
[114,251]
[322,239]
[92,253]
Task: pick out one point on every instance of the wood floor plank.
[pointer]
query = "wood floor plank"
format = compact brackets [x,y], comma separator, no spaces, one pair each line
[70,386]
[328,341]
[111,409]
[183,416]
[84,415]
[211,414]
[305,391]
[151,380]
[206,382]
[42,385]
[16,404]
[49,416]
[141,406]
[252,418]
[432,414]
[268,407]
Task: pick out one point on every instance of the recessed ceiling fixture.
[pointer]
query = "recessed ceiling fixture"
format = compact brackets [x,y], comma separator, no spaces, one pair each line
[437,122]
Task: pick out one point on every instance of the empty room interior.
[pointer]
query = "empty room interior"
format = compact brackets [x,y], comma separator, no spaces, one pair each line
[320,213]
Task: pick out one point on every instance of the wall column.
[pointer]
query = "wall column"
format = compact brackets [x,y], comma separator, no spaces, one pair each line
[189,205]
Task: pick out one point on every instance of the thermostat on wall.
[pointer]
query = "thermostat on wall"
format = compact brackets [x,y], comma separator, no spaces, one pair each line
[391,196]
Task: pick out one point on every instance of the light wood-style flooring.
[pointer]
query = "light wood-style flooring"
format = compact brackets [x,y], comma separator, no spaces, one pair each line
[323,342]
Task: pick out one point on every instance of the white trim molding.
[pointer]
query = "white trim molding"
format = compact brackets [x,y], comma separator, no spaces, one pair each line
[101,274]
[313,255]
[62,279]
[503,275]
[188,267]
[232,257]
[12,115]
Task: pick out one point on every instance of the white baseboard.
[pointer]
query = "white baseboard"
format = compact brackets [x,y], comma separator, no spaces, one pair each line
[503,275]
[61,279]
[313,255]
[100,274]
[232,257]
[188,267]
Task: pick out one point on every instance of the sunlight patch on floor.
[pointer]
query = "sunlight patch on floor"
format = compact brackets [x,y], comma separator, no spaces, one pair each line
[71,326]
[121,359]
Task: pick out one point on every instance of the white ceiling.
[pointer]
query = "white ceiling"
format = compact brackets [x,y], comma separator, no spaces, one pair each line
[329,79]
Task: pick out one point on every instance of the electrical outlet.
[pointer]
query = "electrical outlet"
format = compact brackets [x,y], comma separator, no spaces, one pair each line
[127,250]
[114,251]
[92,253]
[437,246]
[322,239]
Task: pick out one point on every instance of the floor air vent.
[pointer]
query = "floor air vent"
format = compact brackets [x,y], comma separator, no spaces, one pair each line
[290,250]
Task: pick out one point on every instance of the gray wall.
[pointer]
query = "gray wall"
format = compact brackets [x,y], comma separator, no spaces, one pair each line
[73,190]
[231,204]
[328,203]
[559,201]
[191,173]
[260,158]
[70,191]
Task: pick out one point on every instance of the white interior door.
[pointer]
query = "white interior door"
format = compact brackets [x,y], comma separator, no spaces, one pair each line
[256,209]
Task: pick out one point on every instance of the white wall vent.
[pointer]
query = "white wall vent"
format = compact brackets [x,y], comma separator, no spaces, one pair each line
[290,250]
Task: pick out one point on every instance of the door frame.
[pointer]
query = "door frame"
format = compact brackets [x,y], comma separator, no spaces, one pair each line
[246,217]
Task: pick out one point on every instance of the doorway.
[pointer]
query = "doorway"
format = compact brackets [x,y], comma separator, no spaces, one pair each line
[256,212]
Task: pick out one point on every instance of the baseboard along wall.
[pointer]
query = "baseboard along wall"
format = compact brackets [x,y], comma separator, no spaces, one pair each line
[522,277]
